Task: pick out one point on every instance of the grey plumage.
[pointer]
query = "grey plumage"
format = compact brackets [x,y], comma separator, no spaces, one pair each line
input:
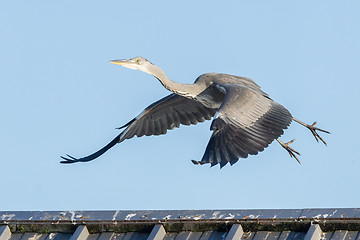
[166,114]
[246,120]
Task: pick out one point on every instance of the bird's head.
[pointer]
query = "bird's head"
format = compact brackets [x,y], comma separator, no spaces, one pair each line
[137,63]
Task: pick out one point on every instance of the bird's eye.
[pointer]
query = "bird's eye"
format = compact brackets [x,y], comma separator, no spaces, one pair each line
[137,61]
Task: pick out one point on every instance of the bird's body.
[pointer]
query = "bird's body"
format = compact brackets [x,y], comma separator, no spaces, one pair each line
[246,120]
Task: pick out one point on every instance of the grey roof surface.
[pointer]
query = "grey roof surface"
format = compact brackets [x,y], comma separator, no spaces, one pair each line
[181,224]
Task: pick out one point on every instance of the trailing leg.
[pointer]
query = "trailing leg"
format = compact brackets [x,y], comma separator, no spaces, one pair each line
[290,150]
[313,130]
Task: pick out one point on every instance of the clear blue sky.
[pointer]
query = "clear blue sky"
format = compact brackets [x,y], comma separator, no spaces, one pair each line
[60,95]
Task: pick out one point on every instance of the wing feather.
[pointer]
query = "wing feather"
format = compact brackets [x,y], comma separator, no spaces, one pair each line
[246,123]
[166,114]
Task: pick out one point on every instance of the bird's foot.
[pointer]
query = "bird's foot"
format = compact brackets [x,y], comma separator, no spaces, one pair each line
[313,130]
[289,149]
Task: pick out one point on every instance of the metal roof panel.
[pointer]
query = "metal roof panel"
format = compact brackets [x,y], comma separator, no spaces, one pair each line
[267,224]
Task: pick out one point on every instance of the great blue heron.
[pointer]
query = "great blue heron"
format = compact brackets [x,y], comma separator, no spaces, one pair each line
[246,120]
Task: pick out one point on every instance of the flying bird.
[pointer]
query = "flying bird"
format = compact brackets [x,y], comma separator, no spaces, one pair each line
[245,119]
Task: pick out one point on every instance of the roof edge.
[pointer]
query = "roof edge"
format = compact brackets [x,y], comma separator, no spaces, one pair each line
[151,215]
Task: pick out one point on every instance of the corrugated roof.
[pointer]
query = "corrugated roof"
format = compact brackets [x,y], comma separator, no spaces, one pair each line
[176,224]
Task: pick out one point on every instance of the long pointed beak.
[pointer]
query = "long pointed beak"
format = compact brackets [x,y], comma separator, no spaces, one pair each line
[119,62]
[125,63]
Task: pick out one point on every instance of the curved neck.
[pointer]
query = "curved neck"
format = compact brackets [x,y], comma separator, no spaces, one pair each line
[185,90]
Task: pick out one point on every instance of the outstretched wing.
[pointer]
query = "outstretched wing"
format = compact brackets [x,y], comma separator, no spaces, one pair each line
[246,123]
[165,114]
